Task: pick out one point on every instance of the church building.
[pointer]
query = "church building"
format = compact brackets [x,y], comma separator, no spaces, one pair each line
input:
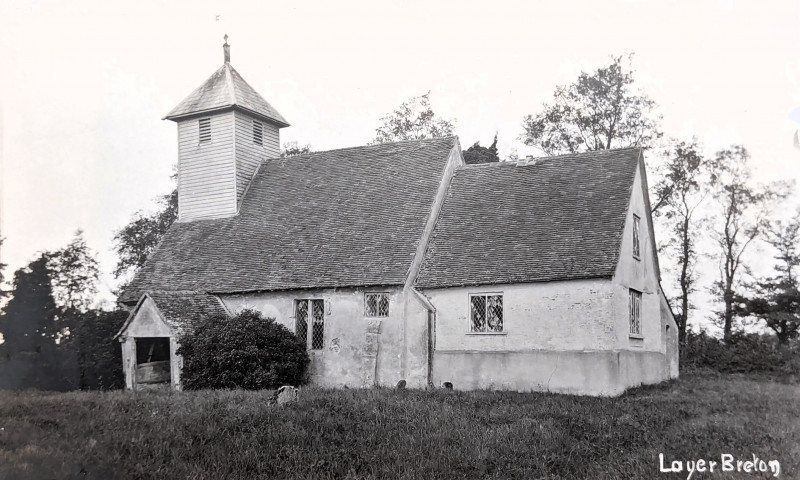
[398,261]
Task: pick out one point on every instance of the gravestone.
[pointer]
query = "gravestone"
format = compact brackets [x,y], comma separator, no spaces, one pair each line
[287,394]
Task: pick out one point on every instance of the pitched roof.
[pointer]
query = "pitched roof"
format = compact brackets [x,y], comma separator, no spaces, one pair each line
[555,218]
[180,309]
[349,217]
[224,89]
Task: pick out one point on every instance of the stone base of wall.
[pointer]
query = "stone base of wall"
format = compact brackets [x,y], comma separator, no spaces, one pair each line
[605,373]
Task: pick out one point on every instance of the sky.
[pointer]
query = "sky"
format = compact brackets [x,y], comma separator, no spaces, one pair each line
[85,85]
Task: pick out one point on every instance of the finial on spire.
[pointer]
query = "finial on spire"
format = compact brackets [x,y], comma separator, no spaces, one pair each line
[227,49]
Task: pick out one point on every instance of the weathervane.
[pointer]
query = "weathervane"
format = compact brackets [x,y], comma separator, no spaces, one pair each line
[227,50]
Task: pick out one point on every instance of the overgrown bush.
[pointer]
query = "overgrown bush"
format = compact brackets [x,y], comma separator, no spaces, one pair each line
[247,351]
[745,353]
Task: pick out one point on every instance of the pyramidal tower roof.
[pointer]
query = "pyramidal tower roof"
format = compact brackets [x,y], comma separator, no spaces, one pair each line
[223,90]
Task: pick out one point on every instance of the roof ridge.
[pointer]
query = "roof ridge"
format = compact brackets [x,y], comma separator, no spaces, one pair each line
[229,82]
[371,145]
[487,164]
[534,161]
[589,153]
[176,292]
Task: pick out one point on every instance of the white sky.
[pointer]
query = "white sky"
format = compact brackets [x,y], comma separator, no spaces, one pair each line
[84,84]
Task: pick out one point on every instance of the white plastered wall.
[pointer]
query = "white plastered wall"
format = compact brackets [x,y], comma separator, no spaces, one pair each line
[358,351]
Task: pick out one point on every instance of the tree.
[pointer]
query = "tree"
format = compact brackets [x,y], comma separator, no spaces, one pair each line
[477,154]
[139,238]
[3,291]
[597,112]
[413,120]
[741,218]
[290,149]
[680,193]
[777,299]
[28,320]
[246,351]
[32,357]
[74,272]
[99,356]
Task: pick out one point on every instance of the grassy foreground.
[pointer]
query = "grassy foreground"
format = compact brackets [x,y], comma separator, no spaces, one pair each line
[382,433]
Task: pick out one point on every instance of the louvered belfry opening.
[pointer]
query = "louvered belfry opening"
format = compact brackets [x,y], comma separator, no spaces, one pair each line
[314,339]
[258,133]
[205,130]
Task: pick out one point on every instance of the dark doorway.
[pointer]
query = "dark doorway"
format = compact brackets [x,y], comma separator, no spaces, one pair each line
[152,360]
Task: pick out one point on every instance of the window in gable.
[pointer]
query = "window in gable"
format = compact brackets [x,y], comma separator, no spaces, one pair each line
[205,130]
[486,313]
[314,337]
[635,312]
[636,244]
[258,133]
[376,304]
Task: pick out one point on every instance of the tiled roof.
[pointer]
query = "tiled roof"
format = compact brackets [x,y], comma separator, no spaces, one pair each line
[555,218]
[182,309]
[349,217]
[226,89]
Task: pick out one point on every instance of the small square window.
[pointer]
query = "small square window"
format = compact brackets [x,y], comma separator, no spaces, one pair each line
[376,304]
[258,133]
[635,312]
[636,244]
[205,130]
[486,313]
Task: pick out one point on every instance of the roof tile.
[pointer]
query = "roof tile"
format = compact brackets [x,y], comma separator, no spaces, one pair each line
[183,309]
[225,88]
[556,218]
[349,217]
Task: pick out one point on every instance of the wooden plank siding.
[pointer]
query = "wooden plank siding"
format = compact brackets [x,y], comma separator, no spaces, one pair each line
[206,172]
[250,156]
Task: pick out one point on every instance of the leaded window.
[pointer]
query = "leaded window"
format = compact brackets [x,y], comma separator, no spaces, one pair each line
[318,324]
[376,304]
[313,312]
[636,245]
[486,313]
[635,311]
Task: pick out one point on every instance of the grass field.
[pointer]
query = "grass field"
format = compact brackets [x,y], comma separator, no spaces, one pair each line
[382,433]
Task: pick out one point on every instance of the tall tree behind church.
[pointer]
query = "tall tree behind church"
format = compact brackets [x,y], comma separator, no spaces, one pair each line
[477,154]
[413,120]
[28,320]
[741,216]
[30,356]
[681,191]
[75,274]
[598,112]
[777,298]
[135,241]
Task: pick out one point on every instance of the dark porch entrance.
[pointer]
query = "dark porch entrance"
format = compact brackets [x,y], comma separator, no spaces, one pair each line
[152,361]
